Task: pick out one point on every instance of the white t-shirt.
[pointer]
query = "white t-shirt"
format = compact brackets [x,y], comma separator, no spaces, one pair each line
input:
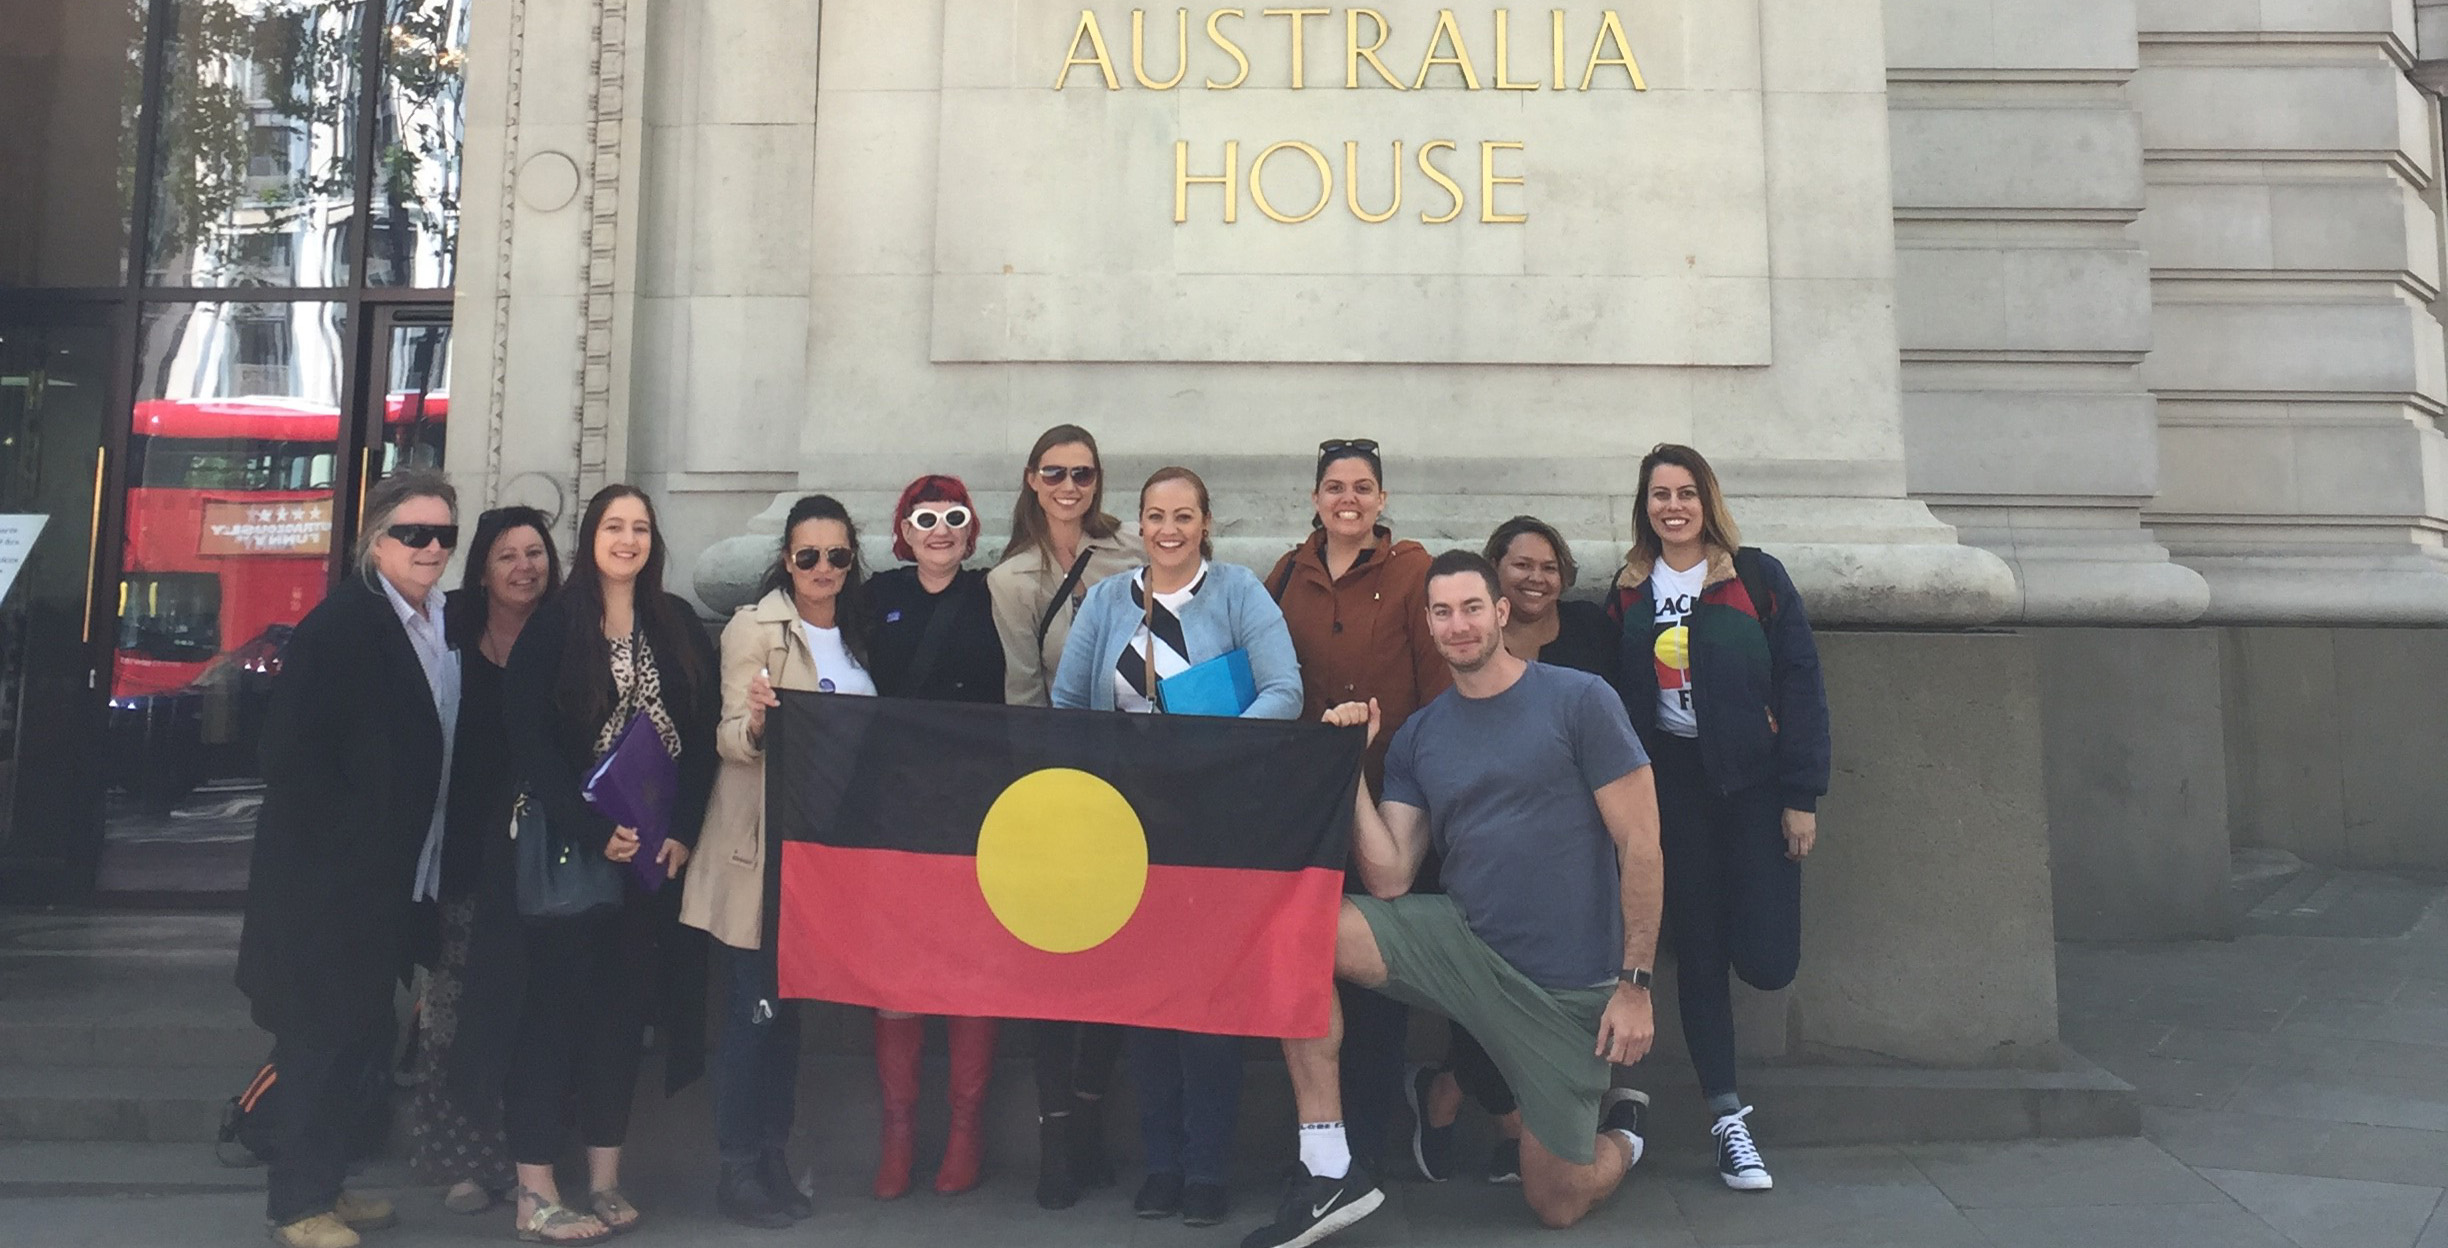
[1676,595]
[836,671]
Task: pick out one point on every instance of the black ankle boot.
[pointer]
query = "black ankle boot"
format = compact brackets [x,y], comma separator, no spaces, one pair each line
[1090,1166]
[740,1194]
[1056,1188]
[774,1167]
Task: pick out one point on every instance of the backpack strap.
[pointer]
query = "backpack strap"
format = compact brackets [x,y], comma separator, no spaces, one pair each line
[939,628]
[1045,623]
[1754,580]
[1283,579]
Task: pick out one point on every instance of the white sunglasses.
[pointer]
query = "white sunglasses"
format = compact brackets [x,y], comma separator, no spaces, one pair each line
[924,519]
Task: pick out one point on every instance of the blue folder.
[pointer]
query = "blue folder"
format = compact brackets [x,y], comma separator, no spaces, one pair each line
[1221,686]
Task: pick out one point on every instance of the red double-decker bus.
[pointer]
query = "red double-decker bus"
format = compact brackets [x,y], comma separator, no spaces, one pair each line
[229,532]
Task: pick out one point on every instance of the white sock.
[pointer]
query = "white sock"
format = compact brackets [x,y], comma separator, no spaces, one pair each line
[1324,1150]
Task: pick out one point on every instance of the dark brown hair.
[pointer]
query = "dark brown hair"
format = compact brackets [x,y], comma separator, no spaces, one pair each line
[465,614]
[1500,544]
[1029,530]
[850,609]
[586,659]
[1162,475]
[1466,563]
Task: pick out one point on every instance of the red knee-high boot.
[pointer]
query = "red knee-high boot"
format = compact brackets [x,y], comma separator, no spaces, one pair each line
[896,1048]
[973,1047]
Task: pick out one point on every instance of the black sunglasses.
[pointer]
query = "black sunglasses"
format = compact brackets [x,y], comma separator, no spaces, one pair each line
[1052,474]
[420,536]
[1336,446]
[841,557]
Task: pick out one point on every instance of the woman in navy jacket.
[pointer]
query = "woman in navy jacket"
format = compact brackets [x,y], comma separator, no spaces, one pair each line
[1721,678]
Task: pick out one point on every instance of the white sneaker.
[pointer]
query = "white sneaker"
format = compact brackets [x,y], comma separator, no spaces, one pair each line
[1738,1159]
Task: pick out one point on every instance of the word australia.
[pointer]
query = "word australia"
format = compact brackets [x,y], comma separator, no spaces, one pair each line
[1373,53]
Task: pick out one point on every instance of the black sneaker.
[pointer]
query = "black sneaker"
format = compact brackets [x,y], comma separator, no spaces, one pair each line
[773,1165]
[1625,1110]
[1431,1147]
[1738,1159]
[1205,1204]
[1314,1208]
[1504,1162]
[1159,1197]
[741,1195]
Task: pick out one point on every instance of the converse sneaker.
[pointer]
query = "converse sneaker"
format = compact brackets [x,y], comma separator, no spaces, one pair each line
[1431,1147]
[1738,1159]
[1624,1110]
[1314,1208]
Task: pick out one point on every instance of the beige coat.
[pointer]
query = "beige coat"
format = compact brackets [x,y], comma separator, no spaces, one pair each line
[725,892]
[1022,587]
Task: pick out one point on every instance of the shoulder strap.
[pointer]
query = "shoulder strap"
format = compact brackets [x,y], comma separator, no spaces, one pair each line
[1754,580]
[1045,623]
[931,642]
[1283,579]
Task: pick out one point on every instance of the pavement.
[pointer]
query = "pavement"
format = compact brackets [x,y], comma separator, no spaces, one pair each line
[2295,1083]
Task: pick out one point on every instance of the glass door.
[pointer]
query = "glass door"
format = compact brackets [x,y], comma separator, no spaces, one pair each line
[55,389]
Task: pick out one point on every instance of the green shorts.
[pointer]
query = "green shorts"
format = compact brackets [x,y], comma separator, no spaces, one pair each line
[1545,1040]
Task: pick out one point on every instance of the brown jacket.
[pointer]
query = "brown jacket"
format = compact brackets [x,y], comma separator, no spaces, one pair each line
[725,891]
[1365,636]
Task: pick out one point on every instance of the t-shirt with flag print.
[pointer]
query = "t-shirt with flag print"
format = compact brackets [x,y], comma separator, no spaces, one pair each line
[1676,595]
[1160,636]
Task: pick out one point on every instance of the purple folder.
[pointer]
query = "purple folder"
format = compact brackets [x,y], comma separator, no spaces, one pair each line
[634,786]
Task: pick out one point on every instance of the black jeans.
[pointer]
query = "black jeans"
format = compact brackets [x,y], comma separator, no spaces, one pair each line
[756,1062]
[1733,900]
[1073,1060]
[1376,1029]
[326,1093]
[1189,1088]
[579,1033]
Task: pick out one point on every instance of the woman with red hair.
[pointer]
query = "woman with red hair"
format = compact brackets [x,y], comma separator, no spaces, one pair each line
[934,637]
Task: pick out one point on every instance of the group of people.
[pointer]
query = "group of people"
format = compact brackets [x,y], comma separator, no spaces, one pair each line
[1543,775]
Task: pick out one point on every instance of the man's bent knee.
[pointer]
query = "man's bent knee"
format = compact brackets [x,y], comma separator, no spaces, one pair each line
[1357,958]
[1560,1193]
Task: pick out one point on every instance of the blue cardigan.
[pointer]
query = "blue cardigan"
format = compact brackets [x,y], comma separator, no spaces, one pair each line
[1230,612]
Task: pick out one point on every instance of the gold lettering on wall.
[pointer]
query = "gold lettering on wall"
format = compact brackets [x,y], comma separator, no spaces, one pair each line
[1351,184]
[1102,59]
[1300,39]
[1437,176]
[1230,180]
[1224,42]
[1181,50]
[1353,53]
[1447,31]
[1504,55]
[1488,182]
[1257,181]
[1611,26]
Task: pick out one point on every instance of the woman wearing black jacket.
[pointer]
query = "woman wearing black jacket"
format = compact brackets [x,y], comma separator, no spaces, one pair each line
[934,638]
[1720,676]
[355,753]
[610,647]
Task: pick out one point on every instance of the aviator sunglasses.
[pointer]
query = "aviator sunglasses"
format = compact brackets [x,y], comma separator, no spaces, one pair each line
[805,557]
[924,519]
[1052,474]
[420,536]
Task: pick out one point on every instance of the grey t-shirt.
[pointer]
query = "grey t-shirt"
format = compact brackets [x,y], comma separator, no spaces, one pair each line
[1507,784]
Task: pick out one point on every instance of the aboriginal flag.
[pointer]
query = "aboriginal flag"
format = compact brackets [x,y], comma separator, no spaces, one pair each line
[1170,871]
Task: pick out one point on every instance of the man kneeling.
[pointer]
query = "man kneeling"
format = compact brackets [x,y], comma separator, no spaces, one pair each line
[1538,796]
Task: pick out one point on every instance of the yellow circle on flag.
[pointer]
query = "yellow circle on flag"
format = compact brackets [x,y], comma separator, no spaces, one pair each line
[1062,859]
[1674,647]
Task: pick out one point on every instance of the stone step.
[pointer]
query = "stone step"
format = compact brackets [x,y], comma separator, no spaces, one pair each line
[128,1104]
[219,1045]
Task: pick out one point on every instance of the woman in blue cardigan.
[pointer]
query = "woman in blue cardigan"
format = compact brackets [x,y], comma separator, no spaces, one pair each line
[1122,643]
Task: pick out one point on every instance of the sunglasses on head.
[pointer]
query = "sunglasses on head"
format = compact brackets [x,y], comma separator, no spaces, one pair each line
[924,519]
[806,557]
[420,536]
[1336,446]
[1052,474]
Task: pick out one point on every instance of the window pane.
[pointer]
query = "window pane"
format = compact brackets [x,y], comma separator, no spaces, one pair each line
[258,144]
[71,73]
[418,132]
[232,450]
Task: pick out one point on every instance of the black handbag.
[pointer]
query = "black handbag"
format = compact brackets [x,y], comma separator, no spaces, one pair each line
[557,880]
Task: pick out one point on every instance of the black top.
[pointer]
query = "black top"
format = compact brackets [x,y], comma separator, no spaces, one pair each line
[481,788]
[969,665]
[352,757]
[1586,640]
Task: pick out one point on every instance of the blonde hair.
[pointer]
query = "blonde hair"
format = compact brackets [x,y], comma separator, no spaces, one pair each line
[1717,527]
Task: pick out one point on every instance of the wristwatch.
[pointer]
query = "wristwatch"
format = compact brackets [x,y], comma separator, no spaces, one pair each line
[1636,976]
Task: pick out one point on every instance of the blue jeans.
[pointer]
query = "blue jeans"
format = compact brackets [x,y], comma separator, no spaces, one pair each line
[1189,1088]
[756,1064]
